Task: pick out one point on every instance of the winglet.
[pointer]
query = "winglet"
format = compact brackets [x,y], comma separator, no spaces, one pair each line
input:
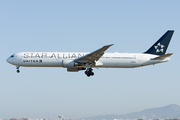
[104,48]
[108,45]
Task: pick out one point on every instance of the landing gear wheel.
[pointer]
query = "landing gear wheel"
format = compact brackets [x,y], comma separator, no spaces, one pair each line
[92,73]
[88,75]
[17,67]
[18,71]
[89,72]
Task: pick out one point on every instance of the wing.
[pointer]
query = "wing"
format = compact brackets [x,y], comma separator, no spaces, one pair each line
[93,56]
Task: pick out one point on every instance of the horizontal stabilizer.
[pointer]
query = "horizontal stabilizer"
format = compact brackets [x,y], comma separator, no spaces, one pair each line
[162,57]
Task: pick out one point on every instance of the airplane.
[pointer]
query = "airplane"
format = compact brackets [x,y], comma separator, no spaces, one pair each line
[77,61]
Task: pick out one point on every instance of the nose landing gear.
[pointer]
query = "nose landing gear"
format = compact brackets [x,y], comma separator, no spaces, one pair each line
[17,67]
[89,72]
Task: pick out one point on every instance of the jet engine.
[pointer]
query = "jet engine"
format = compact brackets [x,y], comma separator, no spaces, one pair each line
[72,66]
[70,63]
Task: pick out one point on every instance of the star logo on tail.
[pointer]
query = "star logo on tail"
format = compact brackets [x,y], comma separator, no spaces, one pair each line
[159,47]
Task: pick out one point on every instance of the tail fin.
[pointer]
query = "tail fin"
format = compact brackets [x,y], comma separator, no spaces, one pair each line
[160,47]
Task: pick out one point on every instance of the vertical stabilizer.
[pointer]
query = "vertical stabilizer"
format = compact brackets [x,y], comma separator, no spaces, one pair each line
[160,47]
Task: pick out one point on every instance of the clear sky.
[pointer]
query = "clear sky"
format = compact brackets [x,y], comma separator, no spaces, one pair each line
[84,26]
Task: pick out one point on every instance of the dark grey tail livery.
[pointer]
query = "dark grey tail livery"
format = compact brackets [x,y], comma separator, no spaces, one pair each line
[160,47]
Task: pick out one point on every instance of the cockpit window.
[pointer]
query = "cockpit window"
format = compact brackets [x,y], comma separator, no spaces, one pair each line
[12,56]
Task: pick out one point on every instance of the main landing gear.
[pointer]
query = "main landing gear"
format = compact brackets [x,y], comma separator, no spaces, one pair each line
[89,72]
[17,67]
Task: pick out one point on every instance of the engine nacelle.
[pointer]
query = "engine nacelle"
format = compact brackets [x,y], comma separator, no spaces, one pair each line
[72,69]
[75,69]
[70,63]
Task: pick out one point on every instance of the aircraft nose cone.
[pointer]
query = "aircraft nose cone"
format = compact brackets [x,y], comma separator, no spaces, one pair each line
[8,60]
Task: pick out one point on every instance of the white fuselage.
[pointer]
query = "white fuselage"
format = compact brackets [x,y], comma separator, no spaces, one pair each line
[108,60]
